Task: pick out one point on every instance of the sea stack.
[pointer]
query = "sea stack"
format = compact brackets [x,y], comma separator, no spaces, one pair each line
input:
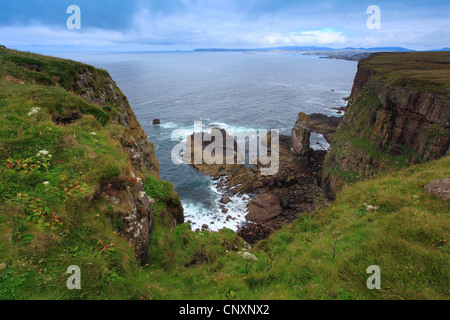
[301,134]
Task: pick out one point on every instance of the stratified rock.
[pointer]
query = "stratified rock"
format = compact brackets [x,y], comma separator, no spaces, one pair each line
[440,188]
[398,114]
[301,134]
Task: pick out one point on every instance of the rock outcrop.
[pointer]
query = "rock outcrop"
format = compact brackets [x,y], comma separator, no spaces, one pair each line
[324,124]
[398,114]
[276,199]
[440,188]
[301,134]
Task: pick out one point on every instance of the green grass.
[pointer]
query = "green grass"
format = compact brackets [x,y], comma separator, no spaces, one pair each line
[423,71]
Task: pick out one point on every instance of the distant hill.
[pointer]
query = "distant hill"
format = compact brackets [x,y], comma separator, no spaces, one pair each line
[305,48]
[443,49]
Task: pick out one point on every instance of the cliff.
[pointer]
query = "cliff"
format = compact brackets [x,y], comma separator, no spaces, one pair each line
[72,148]
[398,114]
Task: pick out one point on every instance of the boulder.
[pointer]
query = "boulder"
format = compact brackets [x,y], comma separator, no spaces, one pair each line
[263,207]
[440,188]
[225,200]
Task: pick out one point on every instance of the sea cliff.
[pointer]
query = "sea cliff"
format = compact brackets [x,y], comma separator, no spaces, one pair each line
[99,158]
[398,114]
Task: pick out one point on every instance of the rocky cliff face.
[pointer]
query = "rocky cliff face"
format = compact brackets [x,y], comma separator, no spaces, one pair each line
[127,196]
[398,114]
[99,147]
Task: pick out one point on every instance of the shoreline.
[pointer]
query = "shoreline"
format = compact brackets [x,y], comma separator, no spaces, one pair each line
[272,201]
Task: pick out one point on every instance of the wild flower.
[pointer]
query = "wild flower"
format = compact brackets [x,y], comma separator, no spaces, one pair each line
[44,158]
[46,183]
[42,152]
[33,111]
[248,257]
[93,133]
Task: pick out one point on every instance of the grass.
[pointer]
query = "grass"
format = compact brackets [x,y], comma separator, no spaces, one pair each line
[423,71]
[47,227]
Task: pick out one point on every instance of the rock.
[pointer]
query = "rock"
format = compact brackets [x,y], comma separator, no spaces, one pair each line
[224,210]
[205,227]
[157,121]
[440,188]
[253,232]
[114,200]
[324,124]
[301,134]
[225,200]
[263,207]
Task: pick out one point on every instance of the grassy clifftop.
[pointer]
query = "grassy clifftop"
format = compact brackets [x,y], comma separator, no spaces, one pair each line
[428,71]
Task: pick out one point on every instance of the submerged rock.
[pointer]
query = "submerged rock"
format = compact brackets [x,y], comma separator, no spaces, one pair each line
[225,200]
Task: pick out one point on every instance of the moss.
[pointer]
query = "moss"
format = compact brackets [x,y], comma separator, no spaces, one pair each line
[161,191]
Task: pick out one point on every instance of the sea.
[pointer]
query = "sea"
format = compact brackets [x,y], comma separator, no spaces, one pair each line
[232,90]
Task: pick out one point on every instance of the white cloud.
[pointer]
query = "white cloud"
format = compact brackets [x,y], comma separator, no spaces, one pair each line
[189,29]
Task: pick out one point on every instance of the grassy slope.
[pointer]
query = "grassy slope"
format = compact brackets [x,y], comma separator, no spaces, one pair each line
[406,237]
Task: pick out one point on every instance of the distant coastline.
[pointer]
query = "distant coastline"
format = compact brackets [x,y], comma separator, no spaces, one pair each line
[348,53]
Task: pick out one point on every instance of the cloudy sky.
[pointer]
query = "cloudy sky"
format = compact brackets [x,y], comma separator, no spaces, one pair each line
[113,25]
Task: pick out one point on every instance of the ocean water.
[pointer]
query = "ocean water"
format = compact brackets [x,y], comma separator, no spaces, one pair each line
[234,91]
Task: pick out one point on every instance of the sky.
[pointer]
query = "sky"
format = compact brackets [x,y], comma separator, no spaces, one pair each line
[156,25]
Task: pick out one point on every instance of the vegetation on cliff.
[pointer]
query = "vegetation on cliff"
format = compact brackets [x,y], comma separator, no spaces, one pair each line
[398,114]
[73,161]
